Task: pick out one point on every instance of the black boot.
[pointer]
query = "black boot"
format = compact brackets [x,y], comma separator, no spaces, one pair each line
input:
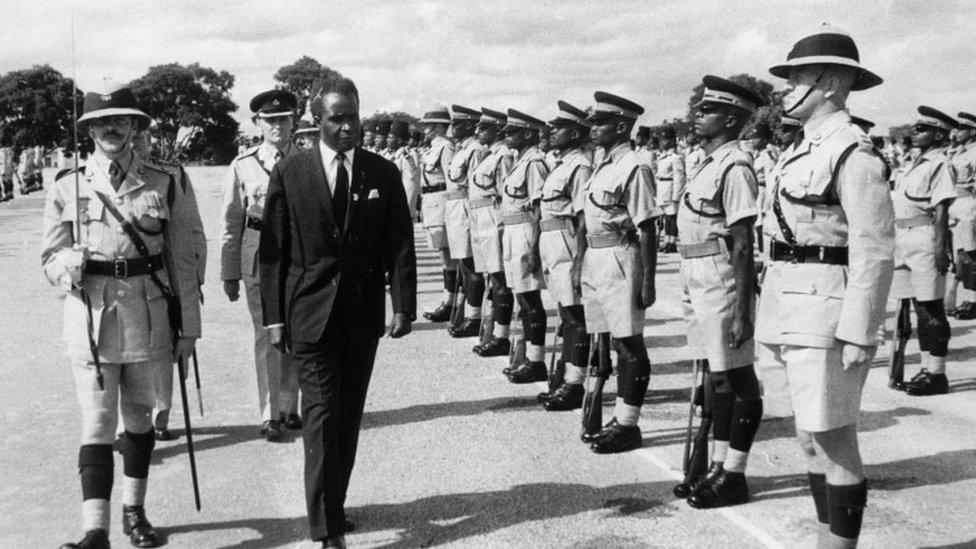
[724,489]
[685,490]
[469,327]
[925,383]
[565,397]
[137,527]
[528,372]
[441,314]
[94,539]
[615,438]
[498,346]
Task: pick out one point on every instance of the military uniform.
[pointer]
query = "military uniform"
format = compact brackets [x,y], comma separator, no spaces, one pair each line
[694,157]
[406,162]
[469,154]
[38,167]
[483,200]
[243,194]
[520,188]
[25,170]
[7,170]
[962,215]
[434,166]
[669,178]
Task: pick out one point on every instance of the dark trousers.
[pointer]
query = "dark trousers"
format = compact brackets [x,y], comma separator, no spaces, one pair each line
[333,374]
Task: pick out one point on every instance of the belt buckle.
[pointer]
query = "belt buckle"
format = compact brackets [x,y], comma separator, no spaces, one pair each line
[821,253]
[121,268]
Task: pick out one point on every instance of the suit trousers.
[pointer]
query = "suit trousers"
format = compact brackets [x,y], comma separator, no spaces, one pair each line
[333,374]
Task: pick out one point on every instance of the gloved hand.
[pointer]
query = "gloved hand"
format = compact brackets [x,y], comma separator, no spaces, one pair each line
[73,263]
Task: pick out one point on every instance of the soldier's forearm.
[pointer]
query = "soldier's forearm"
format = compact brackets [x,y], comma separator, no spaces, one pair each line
[648,247]
[942,228]
[743,267]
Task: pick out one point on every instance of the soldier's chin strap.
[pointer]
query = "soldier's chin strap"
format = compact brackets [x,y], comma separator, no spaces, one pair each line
[806,95]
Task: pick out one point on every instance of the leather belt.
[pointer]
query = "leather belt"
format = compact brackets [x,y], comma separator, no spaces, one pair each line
[124,268]
[831,255]
[433,188]
[458,194]
[518,218]
[253,223]
[664,178]
[914,221]
[476,203]
[705,248]
[555,224]
[609,240]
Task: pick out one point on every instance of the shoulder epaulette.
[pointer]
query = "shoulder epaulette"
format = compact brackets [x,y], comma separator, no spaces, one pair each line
[248,152]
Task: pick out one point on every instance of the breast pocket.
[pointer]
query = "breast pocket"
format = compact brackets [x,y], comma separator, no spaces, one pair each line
[91,214]
[150,212]
[811,299]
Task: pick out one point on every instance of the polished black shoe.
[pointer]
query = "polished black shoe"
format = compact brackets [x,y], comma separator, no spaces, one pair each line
[164,434]
[724,489]
[271,430]
[498,346]
[292,422]
[529,372]
[94,539]
[334,542]
[670,248]
[469,327]
[925,383]
[615,438]
[684,490]
[566,397]
[137,527]
[966,311]
[441,314]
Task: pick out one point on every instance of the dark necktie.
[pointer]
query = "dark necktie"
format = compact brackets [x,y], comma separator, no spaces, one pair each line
[115,174]
[340,199]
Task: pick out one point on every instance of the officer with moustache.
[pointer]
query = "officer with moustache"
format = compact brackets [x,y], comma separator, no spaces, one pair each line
[831,223]
[243,194]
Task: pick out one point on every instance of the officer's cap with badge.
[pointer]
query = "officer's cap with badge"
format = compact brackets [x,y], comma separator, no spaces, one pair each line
[273,103]
[608,105]
[720,91]
[112,99]
[568,115]
[400,129]
[464,115]
[518,120]
[438,115]
[967,121]
[490,117]
[862,123]
[828,46]
[934,118]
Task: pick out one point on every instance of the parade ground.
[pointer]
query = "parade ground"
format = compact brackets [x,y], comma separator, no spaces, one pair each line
[451,454]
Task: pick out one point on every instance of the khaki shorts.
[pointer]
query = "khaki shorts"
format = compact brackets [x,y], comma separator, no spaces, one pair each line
[824,396]
[518,246]
[709,300]
[611,280]
[456,224]
[962,220]
[558,250]
[486,239]
[915,274]
[432,209]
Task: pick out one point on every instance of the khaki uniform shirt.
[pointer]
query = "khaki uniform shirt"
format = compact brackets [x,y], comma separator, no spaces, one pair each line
[816,304]
[192,215]
[523,185]
[242,196]
[436,162]
[471,153]
[129,314]
[492,170]
[562,193]
[694,156]
[409,174]
[620,194]
[926,182]
[720,192]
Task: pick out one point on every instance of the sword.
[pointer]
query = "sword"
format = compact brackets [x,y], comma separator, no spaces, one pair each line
[189,431]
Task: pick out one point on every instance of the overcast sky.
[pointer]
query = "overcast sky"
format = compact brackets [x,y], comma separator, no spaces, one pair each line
[408,55]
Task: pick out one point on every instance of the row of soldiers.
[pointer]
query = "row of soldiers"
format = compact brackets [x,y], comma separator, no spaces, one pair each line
[28,171]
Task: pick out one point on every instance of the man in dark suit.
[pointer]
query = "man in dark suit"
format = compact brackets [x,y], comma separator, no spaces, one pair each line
[336,226]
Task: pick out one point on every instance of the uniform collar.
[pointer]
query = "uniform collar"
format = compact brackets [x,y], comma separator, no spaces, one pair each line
[266,151]
[724,150]
[825,126]
[100,166]
[616,152]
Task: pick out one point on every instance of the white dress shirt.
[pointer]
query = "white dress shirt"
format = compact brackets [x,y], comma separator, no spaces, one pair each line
[331,165]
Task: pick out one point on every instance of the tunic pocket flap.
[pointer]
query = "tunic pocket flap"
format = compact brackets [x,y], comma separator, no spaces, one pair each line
[828,285]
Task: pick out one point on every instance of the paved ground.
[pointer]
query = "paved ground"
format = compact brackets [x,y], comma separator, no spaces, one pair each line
[451,454]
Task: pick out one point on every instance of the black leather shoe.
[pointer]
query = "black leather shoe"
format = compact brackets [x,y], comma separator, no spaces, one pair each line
[164,434]
[685,490]
[565,397]
[469,327]
[441,314]
[670,248]
[271,430]
[926,384]
[966,311]
[290,421]
[615,438]
[498,346]
[724,489]
[529,372]
[137,527]
[94,539]
[334,542]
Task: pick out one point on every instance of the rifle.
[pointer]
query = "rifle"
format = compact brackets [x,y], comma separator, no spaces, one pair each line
[903,330]
[557,368]
[593,398]
[694,462]
[516,353]
[457,308]
[487,326]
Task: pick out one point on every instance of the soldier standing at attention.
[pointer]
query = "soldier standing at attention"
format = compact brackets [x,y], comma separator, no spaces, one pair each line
[405,162]
[521,192]
[470,153]
[561,213]
[619,262]
[434,166]
[715,220]
[642,145]
[962,219]
[25,170]
[765,157]
[831,223]
[669,176]
[922,197]
[7,169]
[243,194]
[486,229]
[118,282]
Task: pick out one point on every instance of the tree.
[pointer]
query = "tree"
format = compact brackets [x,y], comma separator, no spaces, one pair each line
[195,99]
[768,114]
[35,108]
[302,77]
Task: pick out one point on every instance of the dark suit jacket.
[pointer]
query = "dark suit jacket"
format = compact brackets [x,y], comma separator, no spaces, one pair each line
[309,267]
